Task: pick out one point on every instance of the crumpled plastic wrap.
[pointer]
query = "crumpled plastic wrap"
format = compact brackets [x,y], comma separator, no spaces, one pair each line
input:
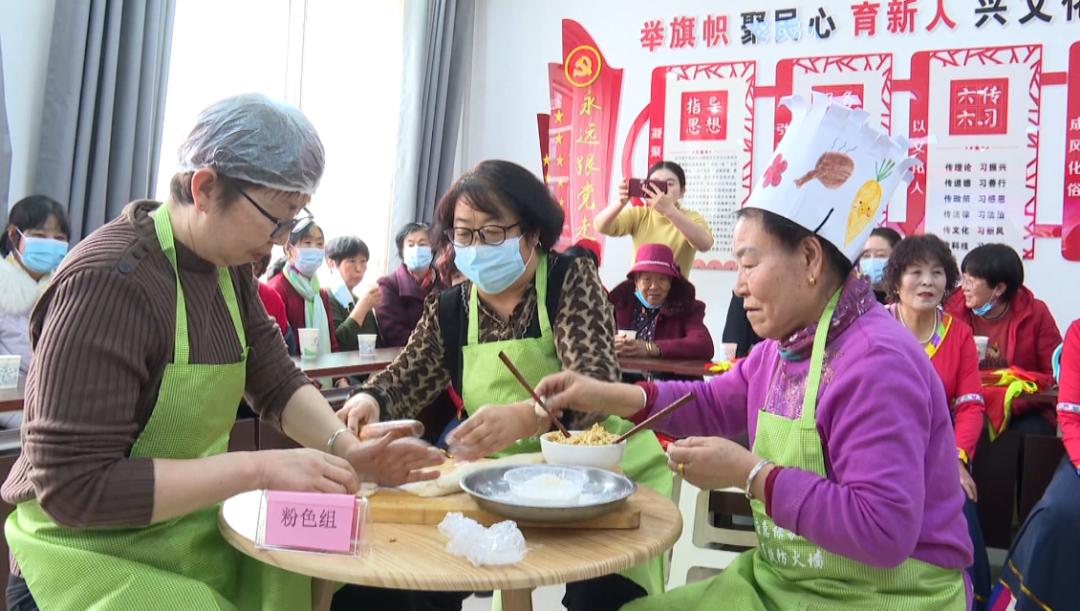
[500,543]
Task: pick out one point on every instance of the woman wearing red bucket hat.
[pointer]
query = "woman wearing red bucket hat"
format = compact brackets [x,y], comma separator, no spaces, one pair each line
[656,310]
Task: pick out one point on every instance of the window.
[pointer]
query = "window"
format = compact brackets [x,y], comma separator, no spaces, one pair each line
[340,62]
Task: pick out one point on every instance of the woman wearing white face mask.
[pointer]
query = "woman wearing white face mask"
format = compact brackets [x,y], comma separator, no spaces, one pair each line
[307,305]
[35,242]
[404,290]
[547,311]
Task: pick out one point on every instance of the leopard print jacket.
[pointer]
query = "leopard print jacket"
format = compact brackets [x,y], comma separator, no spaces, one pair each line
[584,328]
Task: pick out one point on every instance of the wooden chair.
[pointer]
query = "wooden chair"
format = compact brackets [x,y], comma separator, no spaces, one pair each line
[995,473]
[7,461]
[1006,493]
[1042,453]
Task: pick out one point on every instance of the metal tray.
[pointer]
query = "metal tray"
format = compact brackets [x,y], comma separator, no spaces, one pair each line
[604,491]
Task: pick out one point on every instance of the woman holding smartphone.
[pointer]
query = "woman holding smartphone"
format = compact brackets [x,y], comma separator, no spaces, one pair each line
[663,221]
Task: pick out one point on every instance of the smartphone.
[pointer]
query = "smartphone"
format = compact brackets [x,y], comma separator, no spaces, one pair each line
[637,187]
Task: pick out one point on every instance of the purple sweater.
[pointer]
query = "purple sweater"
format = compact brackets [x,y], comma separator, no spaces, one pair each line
[892,489]
[402,304]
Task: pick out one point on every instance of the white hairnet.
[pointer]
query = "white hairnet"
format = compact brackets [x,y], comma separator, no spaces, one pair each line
[254,138]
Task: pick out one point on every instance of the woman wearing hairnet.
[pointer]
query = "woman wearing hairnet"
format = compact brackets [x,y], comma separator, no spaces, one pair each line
[147,338]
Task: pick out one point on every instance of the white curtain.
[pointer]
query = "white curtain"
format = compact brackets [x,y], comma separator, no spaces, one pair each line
[437,64]
[5,149]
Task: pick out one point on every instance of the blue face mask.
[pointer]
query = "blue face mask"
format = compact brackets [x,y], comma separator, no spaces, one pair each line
[492,268]
[308,260]
[416,257]
[645,302]
[343,295]
[42,255]
[873,269]
[984,309]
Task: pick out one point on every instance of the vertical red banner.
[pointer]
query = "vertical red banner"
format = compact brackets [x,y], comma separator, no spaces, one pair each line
[918,113]
[543,122]
[585,93]
[1070,213]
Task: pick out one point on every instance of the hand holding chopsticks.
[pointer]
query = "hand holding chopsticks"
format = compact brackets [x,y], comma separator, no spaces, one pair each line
[525,383]
[681,401]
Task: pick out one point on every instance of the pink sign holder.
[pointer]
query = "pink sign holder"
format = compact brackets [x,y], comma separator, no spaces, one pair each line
[311,522]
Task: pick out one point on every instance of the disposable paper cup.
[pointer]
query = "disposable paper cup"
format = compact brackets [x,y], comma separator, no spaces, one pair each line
[627,333]
[729,350]
[9,370]
[365,343]
[309,343]
[981,341]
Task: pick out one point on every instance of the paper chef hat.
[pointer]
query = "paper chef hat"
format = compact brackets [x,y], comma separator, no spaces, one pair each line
[833,172]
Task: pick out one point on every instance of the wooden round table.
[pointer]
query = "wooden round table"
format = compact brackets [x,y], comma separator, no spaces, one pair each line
[414,557]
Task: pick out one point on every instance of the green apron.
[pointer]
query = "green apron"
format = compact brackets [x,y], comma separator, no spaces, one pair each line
[182,563]
[485,381]
[787,571]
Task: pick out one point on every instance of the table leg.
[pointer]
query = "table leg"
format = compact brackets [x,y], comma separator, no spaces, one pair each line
[517,600]
[322,592]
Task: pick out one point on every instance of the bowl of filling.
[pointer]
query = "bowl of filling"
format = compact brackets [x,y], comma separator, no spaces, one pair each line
[590,448]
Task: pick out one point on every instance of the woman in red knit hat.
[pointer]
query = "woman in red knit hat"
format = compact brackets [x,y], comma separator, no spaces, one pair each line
[659,306]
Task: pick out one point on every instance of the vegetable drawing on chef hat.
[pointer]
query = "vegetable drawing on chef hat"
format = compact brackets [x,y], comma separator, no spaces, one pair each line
[833,169]
[867,201]
[840,167]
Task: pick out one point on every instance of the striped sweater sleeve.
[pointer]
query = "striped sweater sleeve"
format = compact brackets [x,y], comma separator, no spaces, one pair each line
[87,376]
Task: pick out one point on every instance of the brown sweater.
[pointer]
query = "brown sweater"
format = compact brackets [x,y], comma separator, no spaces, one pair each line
[103,333]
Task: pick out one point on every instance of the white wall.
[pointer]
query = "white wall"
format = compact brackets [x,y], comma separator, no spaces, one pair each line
[516,39]
[25,32]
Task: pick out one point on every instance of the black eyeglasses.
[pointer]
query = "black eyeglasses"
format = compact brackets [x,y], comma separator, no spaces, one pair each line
[282,227]
[489,235]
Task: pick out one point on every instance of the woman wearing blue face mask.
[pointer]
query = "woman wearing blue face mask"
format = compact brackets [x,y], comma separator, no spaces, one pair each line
[875,256]
[547,311]
[659,305]
[32,247]
[307,306]
[1019,329]
[404,290]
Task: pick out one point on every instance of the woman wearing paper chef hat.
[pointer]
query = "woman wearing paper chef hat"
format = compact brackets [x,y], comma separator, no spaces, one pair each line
[851,473]
[145,342]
